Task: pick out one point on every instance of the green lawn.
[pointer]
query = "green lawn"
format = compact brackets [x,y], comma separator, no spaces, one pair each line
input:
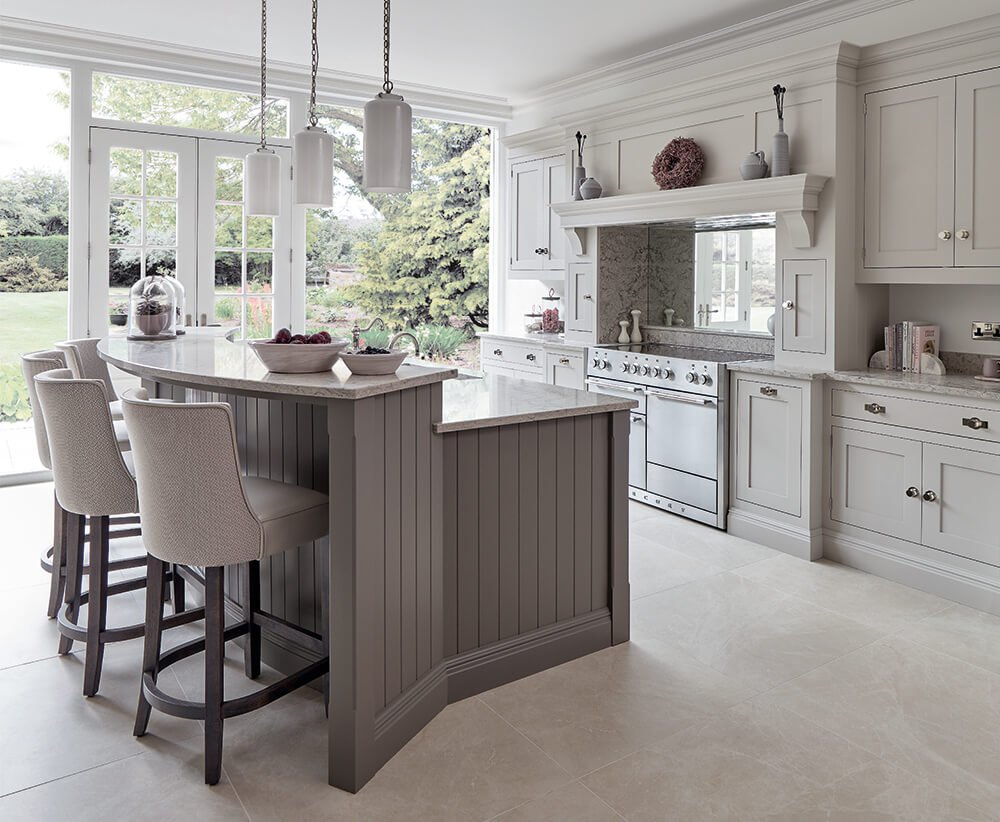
[29,322]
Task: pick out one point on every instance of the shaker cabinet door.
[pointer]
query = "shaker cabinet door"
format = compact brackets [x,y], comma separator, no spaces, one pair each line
[910,176]
[526,219]
[556,191]
[875,483]
[582,299]
[961,515]
[977,169]
[802,312]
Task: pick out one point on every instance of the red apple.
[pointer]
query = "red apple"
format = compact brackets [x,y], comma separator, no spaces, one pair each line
[283,336]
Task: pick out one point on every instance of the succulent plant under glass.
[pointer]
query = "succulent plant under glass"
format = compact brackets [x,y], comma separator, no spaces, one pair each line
[153,309]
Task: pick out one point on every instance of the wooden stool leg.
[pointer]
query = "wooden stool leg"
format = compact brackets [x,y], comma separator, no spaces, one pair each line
[74,539]
[215,652]
[58,582]
[97,604]
[250,594]
[156,570]
[178,584]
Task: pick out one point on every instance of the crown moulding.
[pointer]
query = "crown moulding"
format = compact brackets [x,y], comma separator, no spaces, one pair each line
[794,199]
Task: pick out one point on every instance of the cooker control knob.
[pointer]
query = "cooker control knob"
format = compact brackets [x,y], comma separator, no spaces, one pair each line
[605,365]
[645,371]
[654,372]
[666,374]
[691,377]
[596,362]
[635,368]
[704,379]
[624,367]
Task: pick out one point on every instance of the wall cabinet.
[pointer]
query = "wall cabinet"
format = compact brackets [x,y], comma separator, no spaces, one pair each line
[803,308]
[537,246]
[932,174]
[768,445]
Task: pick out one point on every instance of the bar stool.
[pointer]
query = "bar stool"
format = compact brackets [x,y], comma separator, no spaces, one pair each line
[86,364]
[198,510]
[93,479]
[67,528]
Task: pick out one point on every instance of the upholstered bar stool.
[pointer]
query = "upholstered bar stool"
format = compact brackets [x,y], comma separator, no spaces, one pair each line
[93,479]
[67,528]
[86,364]
[197,509]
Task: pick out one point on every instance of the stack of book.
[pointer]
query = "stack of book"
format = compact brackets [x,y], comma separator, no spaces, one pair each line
[906,341]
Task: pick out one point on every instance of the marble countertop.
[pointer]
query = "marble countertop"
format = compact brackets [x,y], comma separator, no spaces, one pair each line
[955,385]
[494,400]
[547,340]
[210,361]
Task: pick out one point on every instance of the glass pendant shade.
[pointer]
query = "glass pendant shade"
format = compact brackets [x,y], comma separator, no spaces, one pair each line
[263,183]
[388,137]
[313,167]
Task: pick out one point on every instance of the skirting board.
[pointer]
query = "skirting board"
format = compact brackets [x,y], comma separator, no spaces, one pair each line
[782,537]
[966,589]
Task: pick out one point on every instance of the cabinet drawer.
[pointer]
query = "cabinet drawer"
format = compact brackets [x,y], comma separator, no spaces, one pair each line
[564,369]
[520,355]
[981,424]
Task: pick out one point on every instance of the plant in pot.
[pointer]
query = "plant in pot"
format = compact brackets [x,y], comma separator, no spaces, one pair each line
[152,316]
[118,312]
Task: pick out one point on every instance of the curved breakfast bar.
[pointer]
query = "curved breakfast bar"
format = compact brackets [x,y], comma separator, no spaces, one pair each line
[478,526]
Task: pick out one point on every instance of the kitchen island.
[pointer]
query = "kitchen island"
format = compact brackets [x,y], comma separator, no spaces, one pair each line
[478,527]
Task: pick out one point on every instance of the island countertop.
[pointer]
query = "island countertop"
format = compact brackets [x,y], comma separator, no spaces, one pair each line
[494,400]
[212,362]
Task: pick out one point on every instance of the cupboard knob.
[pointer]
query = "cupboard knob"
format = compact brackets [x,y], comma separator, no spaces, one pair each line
[913,491]
[497,352]
[587,297]
[543,251]
[944,235]
[963,234]
[788,305]
[874,408]
[768,391]
[565,361]
[930,496]
[975,423]
[637,418]
[529,357]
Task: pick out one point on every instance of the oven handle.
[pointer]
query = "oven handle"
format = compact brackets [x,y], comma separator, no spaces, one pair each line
[615,386]
[661,395]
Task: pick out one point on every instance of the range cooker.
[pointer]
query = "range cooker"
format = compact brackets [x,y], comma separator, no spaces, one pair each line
[678,445]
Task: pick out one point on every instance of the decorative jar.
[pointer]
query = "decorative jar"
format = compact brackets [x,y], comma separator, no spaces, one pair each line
[152,309]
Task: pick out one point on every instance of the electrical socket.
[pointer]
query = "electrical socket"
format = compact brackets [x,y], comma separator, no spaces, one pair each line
[985,331]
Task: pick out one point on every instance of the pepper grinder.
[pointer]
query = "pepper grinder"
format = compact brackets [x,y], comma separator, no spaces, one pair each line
[623,337]
[636,333]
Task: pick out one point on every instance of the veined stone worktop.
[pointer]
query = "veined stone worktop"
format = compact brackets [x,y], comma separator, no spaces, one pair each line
[214,363]
[494,400]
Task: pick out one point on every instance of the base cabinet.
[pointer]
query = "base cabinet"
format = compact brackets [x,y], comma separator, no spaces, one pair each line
[565,369]
[534,361]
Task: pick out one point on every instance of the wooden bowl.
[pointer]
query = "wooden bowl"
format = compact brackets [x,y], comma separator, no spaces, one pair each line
[308,358]
[372,365]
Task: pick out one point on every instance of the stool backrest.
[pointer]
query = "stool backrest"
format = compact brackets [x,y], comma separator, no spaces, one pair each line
[86,364]
[191,499]
[38,362]
[90,473]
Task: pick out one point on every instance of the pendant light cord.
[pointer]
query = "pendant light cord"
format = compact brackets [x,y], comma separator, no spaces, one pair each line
[313,119]
[387,83]
[263,70]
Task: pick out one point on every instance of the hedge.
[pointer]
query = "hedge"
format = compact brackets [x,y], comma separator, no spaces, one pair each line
[52,251]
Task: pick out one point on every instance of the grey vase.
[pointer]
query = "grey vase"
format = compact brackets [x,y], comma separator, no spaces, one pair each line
[590,189]
[779,152]
[579,175]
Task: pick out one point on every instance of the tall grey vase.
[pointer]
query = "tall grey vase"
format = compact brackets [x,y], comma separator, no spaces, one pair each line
[579,175]
[779,152]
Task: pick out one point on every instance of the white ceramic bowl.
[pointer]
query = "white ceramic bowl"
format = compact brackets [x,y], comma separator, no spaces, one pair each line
[285,358]
[370,365]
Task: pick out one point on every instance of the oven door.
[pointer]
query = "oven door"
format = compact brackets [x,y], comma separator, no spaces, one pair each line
[683,432]
[637,429]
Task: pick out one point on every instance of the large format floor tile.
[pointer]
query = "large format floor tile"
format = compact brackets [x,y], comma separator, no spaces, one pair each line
[697,541]
[654,568]
[962,632]
[570,802]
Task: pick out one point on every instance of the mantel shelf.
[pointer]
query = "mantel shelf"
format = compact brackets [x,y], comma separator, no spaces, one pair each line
[795,198]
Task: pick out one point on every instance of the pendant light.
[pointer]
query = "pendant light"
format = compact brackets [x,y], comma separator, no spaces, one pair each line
[313,146]
[388,135]
[262,170]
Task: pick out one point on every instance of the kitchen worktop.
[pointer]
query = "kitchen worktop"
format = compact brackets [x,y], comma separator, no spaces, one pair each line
[211,362]
[495,400]
[955,385]
[547,340]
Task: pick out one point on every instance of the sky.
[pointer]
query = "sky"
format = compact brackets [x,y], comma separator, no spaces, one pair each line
[32,120]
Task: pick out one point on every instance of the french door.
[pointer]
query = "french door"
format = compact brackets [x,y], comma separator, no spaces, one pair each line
[175,205]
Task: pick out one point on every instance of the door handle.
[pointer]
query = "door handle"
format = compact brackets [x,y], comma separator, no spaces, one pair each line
[874,408]
[975,423]
[913,491]
[637,418]
[930,496]
[768,391]
[678,398]
[635,389]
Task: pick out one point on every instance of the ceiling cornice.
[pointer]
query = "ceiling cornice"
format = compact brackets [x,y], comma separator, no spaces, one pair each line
[760,31]
[146,57]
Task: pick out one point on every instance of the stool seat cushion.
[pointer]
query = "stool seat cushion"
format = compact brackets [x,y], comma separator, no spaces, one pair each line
[289,514]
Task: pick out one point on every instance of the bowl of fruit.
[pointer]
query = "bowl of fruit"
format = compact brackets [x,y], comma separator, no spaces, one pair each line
[288,353]
[371,362]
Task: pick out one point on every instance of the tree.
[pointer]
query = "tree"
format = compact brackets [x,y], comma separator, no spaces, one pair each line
[34,202]
[431,259]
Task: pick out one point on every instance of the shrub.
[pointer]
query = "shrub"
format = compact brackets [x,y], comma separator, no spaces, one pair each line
[438,342]
[14,405]
[52,251]
[24,274]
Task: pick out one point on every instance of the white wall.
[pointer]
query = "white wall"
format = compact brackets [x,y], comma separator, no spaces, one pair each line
[953,308]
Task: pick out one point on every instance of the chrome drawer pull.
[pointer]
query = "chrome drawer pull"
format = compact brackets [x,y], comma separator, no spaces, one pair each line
[497,352]
[678,397]
[975,423]
[913,491]
[564,361]
[637,418]
[529,357]
[768,391]
[588,297]
[874,408]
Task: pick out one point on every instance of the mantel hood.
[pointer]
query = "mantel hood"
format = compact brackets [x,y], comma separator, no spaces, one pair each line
[794,199]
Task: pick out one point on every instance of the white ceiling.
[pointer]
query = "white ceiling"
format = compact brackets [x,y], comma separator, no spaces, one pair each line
[502,48]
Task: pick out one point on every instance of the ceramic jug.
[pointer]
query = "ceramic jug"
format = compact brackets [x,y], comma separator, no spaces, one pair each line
[590,189]
[753,167]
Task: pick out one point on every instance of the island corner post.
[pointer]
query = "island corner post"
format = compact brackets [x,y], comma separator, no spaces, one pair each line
[423,606]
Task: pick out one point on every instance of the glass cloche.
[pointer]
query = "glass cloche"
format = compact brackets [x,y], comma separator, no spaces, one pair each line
[179,295]
[152,309]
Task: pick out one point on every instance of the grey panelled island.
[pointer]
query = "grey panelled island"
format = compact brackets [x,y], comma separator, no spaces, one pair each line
[478,527]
